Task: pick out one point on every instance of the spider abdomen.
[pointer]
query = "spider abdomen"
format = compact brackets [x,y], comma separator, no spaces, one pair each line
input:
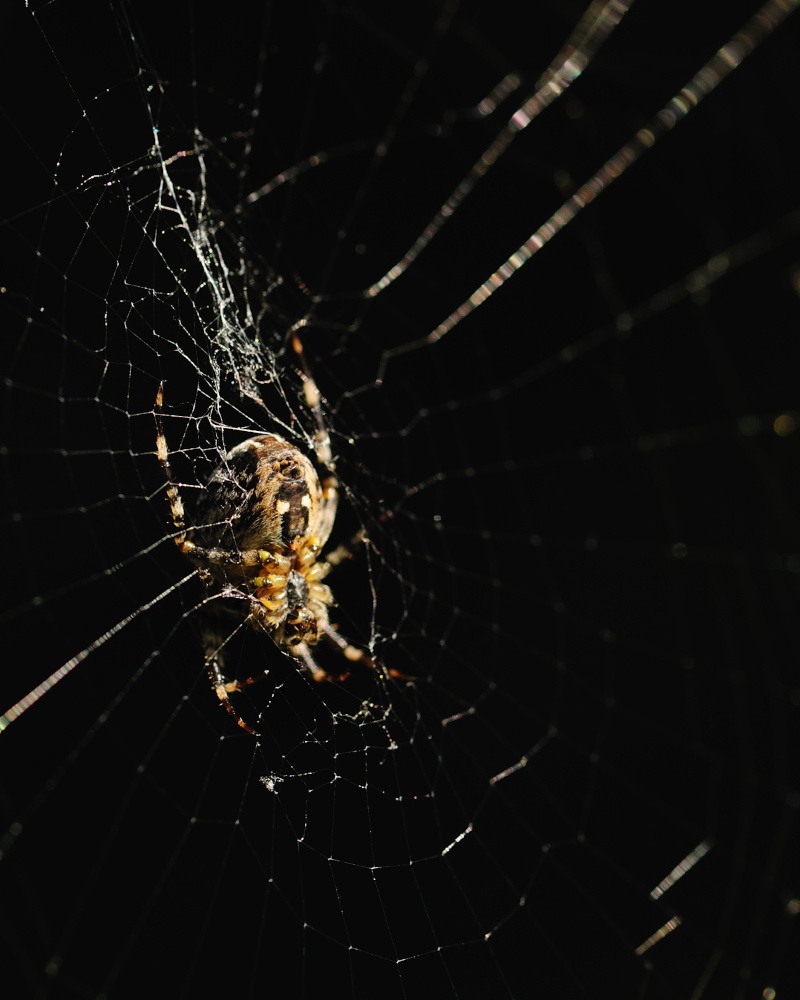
[265,492]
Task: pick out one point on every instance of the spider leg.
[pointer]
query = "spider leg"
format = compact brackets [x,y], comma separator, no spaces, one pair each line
[302,652]
[322,441]
[351,653]
[173,494]
[330,484]
[223,687]
[322,445]
[346,549]
[215,556]
[356,655]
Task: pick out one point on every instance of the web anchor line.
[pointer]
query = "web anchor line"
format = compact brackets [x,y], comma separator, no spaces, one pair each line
[728,58]
[30,699]
[593,29]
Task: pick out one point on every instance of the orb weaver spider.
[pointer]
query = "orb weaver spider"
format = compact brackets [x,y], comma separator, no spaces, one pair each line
[268,497]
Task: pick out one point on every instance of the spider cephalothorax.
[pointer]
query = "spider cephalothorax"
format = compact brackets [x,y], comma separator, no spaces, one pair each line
[259,529]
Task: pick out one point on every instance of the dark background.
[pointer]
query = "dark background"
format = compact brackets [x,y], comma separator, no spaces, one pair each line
[610,594]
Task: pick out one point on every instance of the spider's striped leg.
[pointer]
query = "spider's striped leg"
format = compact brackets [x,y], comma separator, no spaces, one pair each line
[322,441]
[302,652]
[322,444]
[214,556]
[223,687]
[351,653]
[354,654]
[346,549]
[173,494]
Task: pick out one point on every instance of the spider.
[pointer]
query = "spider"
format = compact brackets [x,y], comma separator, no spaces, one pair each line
[267,497]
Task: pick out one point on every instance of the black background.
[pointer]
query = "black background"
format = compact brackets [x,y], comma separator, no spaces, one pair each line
[570,456]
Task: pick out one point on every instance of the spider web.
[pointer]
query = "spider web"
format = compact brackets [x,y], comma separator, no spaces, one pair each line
[546,284]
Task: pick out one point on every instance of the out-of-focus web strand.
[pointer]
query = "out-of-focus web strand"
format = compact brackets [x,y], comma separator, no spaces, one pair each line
[591,31]
[65,669]
[726,59]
